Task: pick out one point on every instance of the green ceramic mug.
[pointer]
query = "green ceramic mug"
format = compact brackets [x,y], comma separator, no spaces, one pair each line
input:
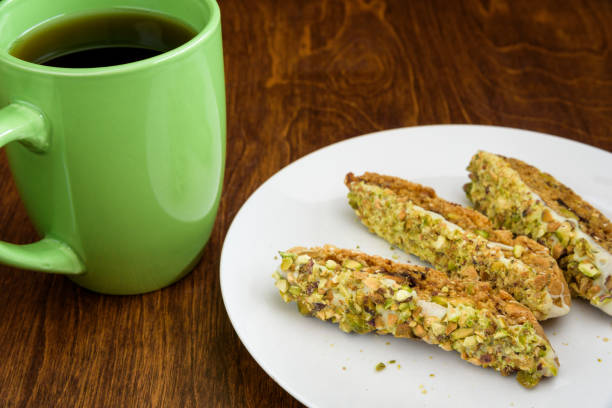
[121,167]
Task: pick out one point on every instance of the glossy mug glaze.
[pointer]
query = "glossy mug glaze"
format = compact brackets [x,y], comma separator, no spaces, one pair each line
[121,167]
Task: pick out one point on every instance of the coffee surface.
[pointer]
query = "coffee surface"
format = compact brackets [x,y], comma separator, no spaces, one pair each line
[101,39]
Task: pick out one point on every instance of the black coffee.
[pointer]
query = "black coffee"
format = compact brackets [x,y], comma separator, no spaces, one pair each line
[101,39]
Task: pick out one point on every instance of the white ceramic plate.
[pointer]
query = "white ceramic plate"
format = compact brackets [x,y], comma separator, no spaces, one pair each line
[305,204]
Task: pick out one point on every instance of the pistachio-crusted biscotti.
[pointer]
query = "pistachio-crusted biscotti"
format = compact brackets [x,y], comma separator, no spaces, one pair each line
[364,293]
[459,241]
[519,197]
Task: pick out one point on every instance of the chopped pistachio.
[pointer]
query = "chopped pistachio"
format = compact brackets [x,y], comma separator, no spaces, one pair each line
[302,259]
[380,366]
[286,263]
[442,301]
[518,251]
[438,329]
[404,306]
[563,233]
[282,285]
[452,315]
[501,333]
[482,233]
[331,264]
[589,269]
[303,308]
[527,380]
[461,333]
[470,342]
[352,264]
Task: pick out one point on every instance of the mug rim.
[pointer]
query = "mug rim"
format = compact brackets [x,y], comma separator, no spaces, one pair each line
[203,34]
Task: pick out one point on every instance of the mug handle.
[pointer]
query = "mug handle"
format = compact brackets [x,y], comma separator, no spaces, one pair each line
[20,122]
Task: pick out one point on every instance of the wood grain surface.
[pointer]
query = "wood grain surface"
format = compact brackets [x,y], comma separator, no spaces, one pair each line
[299,75]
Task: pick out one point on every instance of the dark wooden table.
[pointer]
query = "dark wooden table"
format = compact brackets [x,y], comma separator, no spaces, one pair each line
[300,75]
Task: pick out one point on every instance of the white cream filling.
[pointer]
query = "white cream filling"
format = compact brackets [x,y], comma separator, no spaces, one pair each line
[420,211]
[556,311]
[499,245]
[431,309]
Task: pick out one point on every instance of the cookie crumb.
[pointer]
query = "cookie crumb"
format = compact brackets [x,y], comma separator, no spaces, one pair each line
[343,368]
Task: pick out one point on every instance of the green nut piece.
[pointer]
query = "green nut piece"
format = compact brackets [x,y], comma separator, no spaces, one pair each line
[404,306]
[302,259]
[286,263]
[388,303]
[442,301]
[563,234]
[500,334]
[470,342]
[352,264]
[282,285]
[518,251]
[438,329]
[482,233]
[589,270]
[527,380]
[461,333]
